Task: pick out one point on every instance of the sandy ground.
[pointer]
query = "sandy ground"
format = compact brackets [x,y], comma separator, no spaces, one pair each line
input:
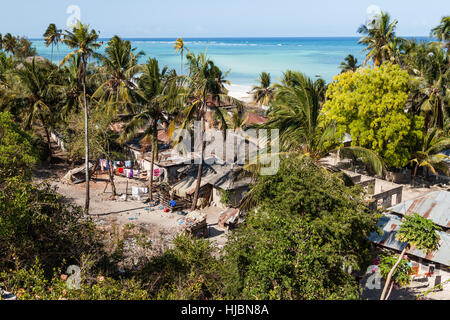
[415,288]
[105,211]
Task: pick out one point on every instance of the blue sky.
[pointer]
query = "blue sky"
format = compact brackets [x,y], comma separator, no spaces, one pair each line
[213,18]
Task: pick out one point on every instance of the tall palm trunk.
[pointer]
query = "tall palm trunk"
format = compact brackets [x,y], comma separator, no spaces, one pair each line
[181,70]
[86,133]
[200,167]
[111,177]
[47,134]
[414,176]
[389,277]
[154,156]
[377,62]
[152,166]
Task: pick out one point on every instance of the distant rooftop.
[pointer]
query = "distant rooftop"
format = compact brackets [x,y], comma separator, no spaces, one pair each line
[390,224]
[434,206]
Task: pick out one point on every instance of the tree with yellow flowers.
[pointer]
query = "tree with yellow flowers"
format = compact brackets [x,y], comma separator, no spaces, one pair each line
[370,105]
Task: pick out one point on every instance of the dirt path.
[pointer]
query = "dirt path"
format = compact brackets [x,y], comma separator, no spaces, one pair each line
[107,212]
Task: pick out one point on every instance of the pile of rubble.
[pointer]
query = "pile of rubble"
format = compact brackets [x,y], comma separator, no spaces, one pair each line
[194,223]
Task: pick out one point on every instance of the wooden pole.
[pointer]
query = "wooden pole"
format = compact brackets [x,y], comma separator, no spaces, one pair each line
[126,192]
[106,186]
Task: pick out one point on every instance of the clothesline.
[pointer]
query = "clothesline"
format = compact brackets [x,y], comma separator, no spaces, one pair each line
[125,167]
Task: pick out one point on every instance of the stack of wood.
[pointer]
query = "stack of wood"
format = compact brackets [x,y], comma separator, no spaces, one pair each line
[164,199]
[195,224]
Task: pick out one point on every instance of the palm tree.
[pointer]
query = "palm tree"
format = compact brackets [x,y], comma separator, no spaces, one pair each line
[429,156]
[395,49]
[206,90]
[36,81]
[350,63]
[52,36]
[430,75]
[118,74]
[25,49]
[264,92]
[70,86]
[179,47]
[158,95]
[442,31]
[6,94]
[378,38]
[1,42]
[85,42]
[10,43]
[295,113]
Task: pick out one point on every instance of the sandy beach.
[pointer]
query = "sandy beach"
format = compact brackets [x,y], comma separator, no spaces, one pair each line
[240,92]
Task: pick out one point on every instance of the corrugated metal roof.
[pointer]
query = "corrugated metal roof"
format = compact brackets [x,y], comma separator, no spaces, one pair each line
[391,224]
[434,206]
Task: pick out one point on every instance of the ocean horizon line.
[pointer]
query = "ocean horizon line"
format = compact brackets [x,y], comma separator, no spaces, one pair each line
[246,58]
[242,38]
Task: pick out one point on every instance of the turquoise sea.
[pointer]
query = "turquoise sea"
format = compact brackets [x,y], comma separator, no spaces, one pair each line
[247,57]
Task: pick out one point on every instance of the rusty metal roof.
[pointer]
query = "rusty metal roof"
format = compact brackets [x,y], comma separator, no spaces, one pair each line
[434,206]
[390,225]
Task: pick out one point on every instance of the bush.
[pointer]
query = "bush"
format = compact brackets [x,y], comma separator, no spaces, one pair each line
[17,154]
[32,284]
[307,231]
[187,271]
[37,222]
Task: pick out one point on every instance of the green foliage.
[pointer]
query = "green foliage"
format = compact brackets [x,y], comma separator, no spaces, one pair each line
[428,66]
[34,220]
[32,284]
[401,273]
[37,222]
[295,113]
[52,36]
[379,39]
[19,47]
[307,230]
[225,197]
[442,31]
[102,140]
[430,156]
[17,154]
[118,75]
[420,233]
[370,105]
[264,92]
[188,271]
[350,63]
